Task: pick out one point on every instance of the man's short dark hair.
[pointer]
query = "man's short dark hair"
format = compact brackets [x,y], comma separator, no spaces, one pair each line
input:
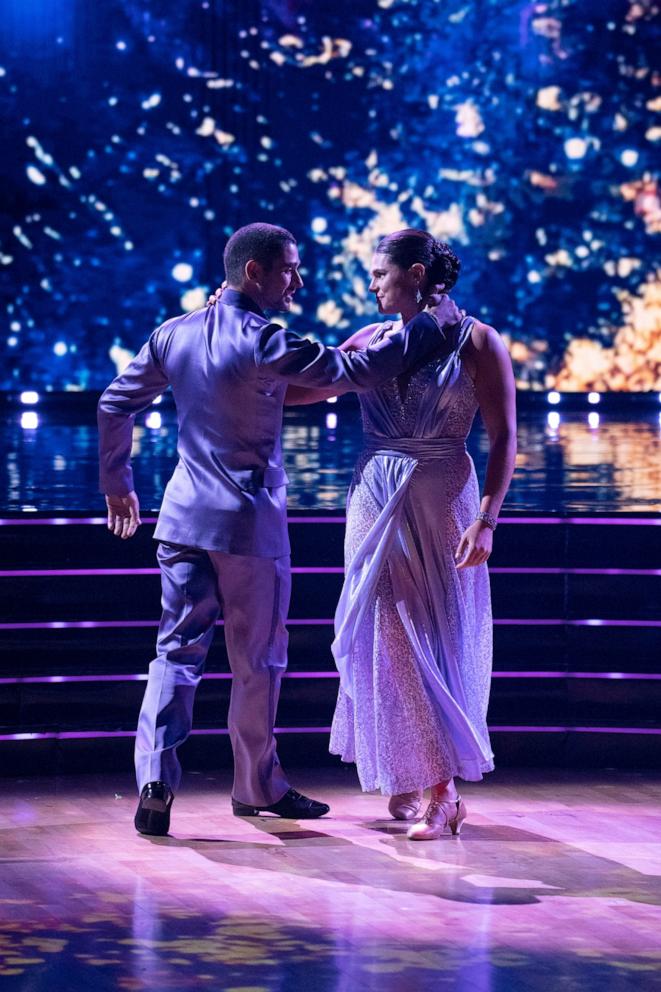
[262,242]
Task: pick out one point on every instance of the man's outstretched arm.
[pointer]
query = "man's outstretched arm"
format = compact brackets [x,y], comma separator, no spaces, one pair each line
[307,363]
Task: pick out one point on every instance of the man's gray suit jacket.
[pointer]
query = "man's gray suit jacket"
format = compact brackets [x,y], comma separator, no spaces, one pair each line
[229,367]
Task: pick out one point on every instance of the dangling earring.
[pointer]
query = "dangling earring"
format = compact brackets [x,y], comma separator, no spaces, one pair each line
[418,295]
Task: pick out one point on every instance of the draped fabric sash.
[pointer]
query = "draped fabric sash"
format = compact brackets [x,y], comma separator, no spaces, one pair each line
[402,456]
[422,449]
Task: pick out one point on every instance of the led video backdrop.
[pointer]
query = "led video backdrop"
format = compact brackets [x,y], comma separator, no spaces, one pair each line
[139,133]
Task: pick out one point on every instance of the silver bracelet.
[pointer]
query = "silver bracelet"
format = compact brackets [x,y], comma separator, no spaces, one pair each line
[488,519]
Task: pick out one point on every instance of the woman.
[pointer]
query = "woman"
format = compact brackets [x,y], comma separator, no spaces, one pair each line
[413,638]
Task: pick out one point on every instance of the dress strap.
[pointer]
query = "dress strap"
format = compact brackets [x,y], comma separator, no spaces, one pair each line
[464,332]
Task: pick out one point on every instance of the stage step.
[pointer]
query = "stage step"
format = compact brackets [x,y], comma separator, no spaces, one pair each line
[577,638]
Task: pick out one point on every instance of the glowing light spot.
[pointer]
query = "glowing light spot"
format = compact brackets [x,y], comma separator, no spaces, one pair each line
[35,176]
[29,420]
[319,225]
[193,299]
[553,420]
[29,397]
[329,313]
[548,98]
[151,101]
[331,421]
[575,148]
[182,272]
[594,398]
[469,121]
[553,397]
[629,157]
[290,41]
[534,276]
[121,45]
[593,419]
[60,348]
[23,238]
[207,127]
[154,420]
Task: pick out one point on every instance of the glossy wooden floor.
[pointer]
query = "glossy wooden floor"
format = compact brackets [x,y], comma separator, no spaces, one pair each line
[555,879]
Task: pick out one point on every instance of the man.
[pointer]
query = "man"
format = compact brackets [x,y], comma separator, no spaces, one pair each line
[222,528]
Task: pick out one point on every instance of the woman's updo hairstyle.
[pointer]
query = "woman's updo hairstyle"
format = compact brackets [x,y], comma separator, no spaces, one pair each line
[407,247]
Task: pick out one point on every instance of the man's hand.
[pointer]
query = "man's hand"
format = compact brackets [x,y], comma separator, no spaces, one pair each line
[445,311]
[435,295]
[475,545]
[123,514]
[216,295]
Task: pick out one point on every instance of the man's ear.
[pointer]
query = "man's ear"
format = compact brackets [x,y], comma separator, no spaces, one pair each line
[253,270]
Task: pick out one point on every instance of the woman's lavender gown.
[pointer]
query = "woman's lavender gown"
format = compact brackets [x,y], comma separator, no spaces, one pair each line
[413,637]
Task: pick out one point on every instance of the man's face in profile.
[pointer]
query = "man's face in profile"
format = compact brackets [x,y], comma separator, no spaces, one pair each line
[280,282]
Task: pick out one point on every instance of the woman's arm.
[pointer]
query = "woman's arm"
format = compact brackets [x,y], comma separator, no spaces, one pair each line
[496,396]
[302,396]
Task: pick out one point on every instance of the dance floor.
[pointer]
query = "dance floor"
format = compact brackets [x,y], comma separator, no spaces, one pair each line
[554,882]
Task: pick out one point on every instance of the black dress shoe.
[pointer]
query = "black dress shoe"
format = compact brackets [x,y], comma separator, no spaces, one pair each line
[153,814]
[292,806]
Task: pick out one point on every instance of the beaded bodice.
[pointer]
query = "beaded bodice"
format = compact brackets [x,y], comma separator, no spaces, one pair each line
[437,401]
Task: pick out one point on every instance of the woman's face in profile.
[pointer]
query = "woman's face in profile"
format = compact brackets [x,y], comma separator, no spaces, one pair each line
[393,286]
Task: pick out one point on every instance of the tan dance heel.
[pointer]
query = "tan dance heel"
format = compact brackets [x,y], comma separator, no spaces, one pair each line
[405,805]
[440,816]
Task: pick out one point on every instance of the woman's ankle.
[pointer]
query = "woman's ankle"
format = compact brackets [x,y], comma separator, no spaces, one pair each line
[445,792]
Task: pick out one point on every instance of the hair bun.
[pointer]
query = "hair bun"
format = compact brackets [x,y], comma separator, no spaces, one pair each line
[445,264]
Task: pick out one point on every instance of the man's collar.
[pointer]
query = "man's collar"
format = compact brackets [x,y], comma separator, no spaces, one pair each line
[235,298]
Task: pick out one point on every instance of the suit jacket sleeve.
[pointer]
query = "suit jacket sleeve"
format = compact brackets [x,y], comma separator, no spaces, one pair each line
[132,391]
[308,363]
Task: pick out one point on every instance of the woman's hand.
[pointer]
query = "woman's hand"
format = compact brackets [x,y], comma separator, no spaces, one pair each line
[475,545]
[216,295]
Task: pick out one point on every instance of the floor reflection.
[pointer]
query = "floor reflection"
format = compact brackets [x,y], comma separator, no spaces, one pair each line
[574,462]
[546,883]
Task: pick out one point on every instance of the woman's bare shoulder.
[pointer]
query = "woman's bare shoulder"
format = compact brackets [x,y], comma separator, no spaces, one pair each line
[484,337]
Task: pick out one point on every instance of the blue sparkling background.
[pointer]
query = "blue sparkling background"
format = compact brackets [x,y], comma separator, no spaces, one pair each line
[138,135]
